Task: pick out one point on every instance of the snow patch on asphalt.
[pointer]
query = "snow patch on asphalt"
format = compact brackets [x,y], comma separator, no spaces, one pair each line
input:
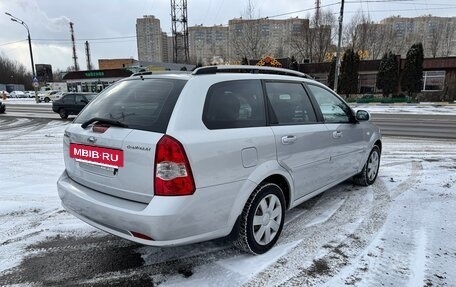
[418,260]
[248,265]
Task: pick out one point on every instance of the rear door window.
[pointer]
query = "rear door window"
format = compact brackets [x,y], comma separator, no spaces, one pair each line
[290,103]
[80,99]
[234,104]
[68,99]
[143,104]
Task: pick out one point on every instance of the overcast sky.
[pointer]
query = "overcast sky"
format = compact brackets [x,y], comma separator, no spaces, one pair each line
[99,21]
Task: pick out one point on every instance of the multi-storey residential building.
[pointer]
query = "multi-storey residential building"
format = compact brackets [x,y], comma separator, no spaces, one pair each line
[437,34]
[151,42]
[208,45]
[253,38]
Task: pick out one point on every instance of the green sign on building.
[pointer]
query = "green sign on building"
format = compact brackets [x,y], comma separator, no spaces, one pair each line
[94,74]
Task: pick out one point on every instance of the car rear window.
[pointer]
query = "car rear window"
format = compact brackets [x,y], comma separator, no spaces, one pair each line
[234,104]
[143,104]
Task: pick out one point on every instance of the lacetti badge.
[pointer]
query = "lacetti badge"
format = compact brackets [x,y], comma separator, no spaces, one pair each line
[98,155]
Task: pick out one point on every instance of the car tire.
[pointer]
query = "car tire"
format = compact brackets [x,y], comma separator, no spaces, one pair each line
[47,100]
[63,113]
[262,219]
[370,170]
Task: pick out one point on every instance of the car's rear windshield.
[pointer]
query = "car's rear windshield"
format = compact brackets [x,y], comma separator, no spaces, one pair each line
[143,104]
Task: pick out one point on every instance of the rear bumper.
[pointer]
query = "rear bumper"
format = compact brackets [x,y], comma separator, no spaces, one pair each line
[169,221]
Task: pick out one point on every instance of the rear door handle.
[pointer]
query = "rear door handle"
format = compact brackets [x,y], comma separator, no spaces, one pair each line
[288,139]
[337,134]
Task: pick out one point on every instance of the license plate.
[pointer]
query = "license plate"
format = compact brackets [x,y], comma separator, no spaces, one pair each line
[99,155]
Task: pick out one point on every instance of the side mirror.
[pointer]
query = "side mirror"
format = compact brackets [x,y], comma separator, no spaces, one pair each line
[362,115]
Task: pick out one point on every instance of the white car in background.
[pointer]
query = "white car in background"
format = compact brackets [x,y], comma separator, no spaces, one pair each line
[17,94]
[48,96]
[30,94]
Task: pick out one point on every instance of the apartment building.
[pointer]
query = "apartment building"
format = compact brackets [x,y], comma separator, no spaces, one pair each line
[219,44]
[254,38]
[437,34]
[151,41]
[208,45]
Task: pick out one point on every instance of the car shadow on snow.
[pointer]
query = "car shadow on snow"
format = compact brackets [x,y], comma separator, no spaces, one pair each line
[73,260]
[109,261]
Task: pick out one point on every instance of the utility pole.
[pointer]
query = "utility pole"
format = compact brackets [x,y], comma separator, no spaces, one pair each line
[341,18]
[75,58]
[87,49]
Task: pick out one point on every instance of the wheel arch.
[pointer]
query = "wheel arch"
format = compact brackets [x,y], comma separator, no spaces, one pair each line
[282,182]
[270,172]
[273,172]
[379,144]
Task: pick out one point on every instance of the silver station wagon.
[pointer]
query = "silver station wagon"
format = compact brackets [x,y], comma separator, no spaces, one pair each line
[172,159]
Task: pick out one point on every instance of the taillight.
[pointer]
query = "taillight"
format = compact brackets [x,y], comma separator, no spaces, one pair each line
[173,175]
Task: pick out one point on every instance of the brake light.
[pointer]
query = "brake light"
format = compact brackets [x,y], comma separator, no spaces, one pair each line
[100,128]
[140,235]
[173,176]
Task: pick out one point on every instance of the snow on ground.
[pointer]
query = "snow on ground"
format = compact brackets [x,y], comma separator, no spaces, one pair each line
[21,101]
[398,232]
[30,163]
[421,108]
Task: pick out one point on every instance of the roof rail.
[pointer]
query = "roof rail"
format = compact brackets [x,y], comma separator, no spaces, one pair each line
[248,69]
[144,73]
[141,73]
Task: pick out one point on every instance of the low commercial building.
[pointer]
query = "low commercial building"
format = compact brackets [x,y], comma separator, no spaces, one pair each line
[439,77]
[94,80]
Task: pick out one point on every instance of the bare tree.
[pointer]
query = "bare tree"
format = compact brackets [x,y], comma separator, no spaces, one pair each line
[435,37]
[247,39]
[381,40]
[300,40]
[448,38]
[247,36]
[350,32]
[314,41]
[250,10]
[322,33]
[369,39]
[12,72]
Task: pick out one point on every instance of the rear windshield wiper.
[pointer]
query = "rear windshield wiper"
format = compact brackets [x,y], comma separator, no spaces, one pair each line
[103,120]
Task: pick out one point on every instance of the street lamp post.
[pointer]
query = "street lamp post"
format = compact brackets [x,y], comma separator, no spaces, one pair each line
[17,20]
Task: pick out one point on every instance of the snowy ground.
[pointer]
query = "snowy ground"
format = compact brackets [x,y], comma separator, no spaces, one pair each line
[422,108]
[399,232]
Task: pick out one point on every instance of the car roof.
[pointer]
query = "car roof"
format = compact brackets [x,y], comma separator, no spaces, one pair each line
[227,72]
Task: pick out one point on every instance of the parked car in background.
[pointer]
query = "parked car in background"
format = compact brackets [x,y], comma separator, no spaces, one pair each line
[166,160]
[30,94]
[17,94]
[48,96]
[71,103]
